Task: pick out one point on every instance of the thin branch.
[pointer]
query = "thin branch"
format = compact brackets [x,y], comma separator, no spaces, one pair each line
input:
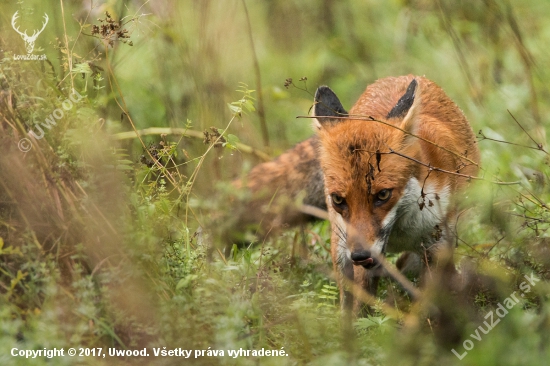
[185,132]
[528,217]
[191,181]
[69,55]
[457,45]
[483,137]
[541,202]
[261,108]
[431,167]
[124,108]
[539,145]
[492,247]
[528,62]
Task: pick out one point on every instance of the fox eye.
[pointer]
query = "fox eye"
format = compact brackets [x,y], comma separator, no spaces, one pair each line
[338,202]
[382,196]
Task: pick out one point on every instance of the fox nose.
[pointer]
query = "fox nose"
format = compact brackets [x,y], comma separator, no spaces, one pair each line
[363,258]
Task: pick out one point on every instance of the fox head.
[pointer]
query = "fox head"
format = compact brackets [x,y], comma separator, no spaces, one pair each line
[367,185]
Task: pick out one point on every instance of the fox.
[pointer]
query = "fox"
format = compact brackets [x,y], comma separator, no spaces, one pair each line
[392,168]
[388,172]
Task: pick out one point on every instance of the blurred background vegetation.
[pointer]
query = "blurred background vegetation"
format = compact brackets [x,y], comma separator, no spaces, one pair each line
[103,239]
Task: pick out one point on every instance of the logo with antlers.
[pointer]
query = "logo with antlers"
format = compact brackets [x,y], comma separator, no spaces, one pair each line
[29,40]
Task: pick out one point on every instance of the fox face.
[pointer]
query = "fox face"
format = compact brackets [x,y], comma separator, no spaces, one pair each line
[380,192]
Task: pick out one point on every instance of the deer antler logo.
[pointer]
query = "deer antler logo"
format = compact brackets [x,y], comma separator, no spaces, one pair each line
[29,40]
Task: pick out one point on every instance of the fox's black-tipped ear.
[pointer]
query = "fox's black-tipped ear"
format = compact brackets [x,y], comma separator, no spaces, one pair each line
[404,103]
[327,105]
[408,108]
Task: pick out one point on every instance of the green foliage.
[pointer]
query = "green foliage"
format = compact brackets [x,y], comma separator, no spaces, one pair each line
[243,105]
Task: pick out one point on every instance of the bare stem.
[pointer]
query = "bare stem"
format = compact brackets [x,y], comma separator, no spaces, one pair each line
[434,168]
[261,108]
[186,132]
[539,145]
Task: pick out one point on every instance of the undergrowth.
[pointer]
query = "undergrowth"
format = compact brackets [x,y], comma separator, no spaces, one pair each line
[112,242]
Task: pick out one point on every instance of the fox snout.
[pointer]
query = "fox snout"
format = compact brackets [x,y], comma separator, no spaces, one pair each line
[363,258]
[362,254]
[362,245]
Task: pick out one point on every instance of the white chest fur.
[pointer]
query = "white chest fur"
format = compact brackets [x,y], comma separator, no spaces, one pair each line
[414,225]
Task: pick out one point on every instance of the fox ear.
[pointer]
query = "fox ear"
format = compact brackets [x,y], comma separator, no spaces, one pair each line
[408,108]
[327,105]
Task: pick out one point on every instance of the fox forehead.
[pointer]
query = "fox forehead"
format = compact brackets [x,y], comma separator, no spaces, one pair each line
[354,152]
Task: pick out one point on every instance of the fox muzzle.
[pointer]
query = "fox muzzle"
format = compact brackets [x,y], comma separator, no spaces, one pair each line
[364,258]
